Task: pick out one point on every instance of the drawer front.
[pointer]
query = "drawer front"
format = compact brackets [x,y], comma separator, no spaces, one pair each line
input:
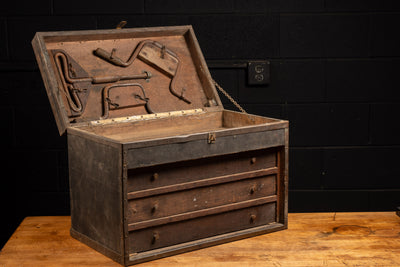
[189,230]
[195,149]
[150,208]
[194,170]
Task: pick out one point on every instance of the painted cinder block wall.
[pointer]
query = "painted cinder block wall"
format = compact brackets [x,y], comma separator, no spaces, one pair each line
[334,76]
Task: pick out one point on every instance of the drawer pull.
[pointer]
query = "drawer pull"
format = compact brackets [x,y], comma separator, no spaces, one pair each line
[252,189]
[253,218]
[154,208]
[156,237]
[154,177]
[253,160]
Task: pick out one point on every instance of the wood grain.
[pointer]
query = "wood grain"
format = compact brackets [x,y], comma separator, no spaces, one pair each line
[164,93]
[313,239]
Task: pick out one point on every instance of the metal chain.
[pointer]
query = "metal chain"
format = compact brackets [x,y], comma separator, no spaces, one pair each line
[228,96]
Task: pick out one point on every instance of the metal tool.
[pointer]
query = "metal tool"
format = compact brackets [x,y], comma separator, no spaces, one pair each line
[109,104]
[76,94]
[62,60]
[156,55]
[71,88]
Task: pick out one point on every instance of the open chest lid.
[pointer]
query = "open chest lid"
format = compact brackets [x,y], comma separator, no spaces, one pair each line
[94,77]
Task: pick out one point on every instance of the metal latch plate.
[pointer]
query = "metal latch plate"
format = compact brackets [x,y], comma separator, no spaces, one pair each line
[211,138]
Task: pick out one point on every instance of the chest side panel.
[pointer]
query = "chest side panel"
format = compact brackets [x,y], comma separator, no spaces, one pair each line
[96,194]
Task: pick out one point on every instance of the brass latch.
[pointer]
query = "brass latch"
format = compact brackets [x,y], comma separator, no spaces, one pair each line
[211,138]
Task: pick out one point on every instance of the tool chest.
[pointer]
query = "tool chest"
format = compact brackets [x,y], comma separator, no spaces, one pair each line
[157,166]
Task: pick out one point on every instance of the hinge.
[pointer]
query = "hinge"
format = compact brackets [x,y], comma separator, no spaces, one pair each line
[149,116]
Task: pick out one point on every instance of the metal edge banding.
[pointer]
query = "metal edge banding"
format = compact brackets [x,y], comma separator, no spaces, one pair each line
[202,183]
[148,156]
[203,243]
[201,213]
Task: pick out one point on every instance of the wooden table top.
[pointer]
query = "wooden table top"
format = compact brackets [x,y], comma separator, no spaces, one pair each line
[313,239]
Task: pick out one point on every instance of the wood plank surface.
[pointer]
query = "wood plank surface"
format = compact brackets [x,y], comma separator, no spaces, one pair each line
[313,239]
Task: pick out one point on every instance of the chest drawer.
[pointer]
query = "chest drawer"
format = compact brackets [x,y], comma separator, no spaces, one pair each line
[187,202]
[195,170]
[195,229]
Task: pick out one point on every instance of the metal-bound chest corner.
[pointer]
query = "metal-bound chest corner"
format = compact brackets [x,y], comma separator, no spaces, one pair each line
[157,166]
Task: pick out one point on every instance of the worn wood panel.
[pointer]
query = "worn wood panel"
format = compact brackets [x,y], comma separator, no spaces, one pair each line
[200,198]
[204,75]
[162,92]
[96,192]
[148,156]
[233,119]
[283,178]
[221,128]
[48,74]
[90,35]
[196,170]
[175,127]
[202,183]
[312,239]
[201,213]
[160,128]
[185,231]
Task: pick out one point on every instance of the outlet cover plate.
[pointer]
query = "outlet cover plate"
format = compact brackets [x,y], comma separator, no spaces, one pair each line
[258,72]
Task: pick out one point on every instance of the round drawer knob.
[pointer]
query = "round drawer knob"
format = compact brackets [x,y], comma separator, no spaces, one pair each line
[252,189]
[156,237]
[154,208]
[154,176]
[253,218]
[253,160]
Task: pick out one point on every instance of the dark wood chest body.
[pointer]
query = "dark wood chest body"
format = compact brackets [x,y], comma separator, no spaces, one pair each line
[158,168]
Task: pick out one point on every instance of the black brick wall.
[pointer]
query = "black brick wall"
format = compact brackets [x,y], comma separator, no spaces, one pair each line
[334,75]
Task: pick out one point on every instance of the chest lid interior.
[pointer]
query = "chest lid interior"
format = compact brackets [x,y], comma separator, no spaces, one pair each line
[106,74]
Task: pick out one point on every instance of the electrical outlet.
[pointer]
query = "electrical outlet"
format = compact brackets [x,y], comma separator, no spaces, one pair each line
[258,72]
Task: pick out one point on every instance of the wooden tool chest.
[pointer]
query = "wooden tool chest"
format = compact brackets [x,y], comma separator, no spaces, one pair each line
[157,166]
